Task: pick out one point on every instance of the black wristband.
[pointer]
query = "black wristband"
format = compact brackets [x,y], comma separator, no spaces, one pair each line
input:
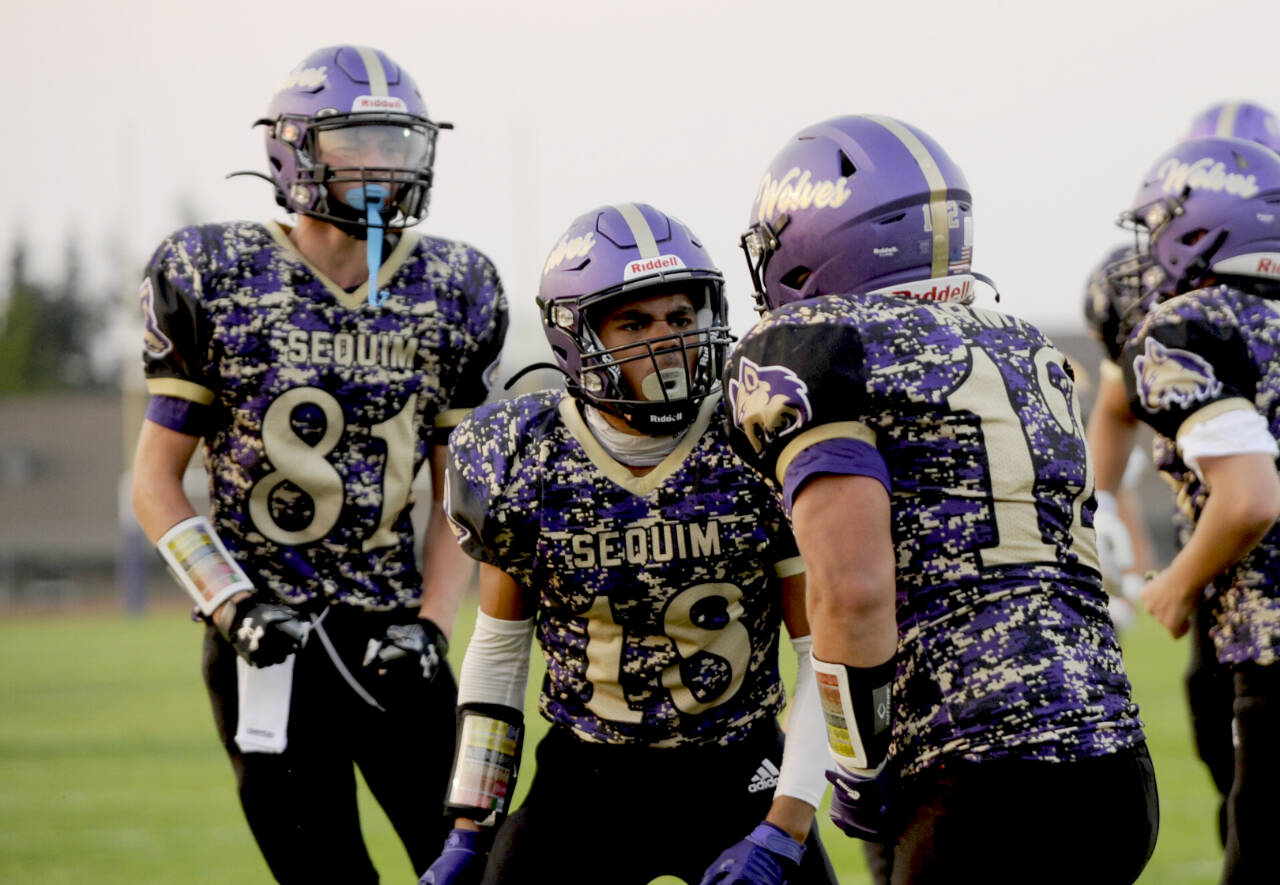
[486,762]
[871,690]
[857,706]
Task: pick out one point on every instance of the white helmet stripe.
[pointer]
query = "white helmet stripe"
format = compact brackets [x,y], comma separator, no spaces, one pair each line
[373,67]
[645,241]
[937,190]
[1227,119]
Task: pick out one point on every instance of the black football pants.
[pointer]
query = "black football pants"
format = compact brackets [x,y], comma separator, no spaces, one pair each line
[626,815]
[301,804]
[1210,694]
[1253,853]
[1014,822]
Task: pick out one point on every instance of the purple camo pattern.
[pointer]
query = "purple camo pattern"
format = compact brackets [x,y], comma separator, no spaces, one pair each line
[1239,334]
[629,660]
[324,410]
[1006,649]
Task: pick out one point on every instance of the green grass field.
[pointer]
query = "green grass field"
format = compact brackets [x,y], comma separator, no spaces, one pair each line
[110,771]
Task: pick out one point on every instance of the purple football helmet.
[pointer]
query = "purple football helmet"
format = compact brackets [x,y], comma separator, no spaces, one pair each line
[1237,119]
[614,254]
[1209,206]
[346,122]
[858,204]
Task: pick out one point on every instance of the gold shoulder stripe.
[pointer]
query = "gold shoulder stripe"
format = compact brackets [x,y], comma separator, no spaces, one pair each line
[180,389]
[823,432]
[451,417]
[789,567]
[1213,410]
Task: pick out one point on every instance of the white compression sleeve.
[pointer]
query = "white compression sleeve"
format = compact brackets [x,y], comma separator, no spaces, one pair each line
[1232,433]
[805,757]
[495,668]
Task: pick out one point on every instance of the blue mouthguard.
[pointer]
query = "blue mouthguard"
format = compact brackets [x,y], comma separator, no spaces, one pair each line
[373,199]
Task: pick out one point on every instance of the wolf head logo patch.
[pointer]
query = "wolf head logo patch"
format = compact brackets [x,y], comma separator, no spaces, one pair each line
[768,402]
[154,341]
[1168,377]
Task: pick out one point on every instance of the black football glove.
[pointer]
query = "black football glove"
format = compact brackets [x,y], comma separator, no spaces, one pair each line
[265,633]
[408,650]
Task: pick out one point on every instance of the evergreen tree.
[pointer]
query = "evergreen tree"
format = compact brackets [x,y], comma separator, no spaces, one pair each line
[46,332]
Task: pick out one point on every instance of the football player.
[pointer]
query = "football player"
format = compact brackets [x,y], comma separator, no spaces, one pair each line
[931,456]
[1116,301]
[614,524]
[321,363]
[1202,371]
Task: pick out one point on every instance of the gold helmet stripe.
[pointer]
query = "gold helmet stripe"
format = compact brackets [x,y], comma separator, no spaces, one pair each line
[373,67]
[645,241]
[937,190]
[1227,119]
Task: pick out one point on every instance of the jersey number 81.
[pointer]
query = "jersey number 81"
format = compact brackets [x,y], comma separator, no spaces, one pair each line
[304,465]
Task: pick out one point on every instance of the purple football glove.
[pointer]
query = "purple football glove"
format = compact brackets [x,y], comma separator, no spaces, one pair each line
[461,862]
[860,806]
[766,857]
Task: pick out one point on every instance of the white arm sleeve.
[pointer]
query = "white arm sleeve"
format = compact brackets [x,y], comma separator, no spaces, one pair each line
[495,668]
[805,757]
[1237,432]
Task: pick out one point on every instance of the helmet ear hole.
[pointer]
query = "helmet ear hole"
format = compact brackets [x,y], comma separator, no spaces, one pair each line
[1192,237]
[847,169]
[795,278]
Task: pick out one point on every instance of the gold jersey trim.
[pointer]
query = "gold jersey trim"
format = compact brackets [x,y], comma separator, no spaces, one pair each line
[180,389]
[451,417]
[823,432]
[350,300]
[618,472]
[1213,410]
[789,567]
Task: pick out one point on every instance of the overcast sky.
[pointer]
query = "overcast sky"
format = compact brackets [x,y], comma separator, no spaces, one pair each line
[121,111]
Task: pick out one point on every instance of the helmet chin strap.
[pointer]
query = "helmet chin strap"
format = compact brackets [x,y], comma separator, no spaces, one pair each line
[632,449]
[372,198]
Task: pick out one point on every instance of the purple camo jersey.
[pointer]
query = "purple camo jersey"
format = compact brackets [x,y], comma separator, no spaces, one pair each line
[1006,649]
[658,596]
[325,408]
[1215,347]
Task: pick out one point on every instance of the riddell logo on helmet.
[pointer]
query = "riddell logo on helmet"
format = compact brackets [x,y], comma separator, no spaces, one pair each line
[651,265]
[1254,264]
[378,103]
[957,288]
